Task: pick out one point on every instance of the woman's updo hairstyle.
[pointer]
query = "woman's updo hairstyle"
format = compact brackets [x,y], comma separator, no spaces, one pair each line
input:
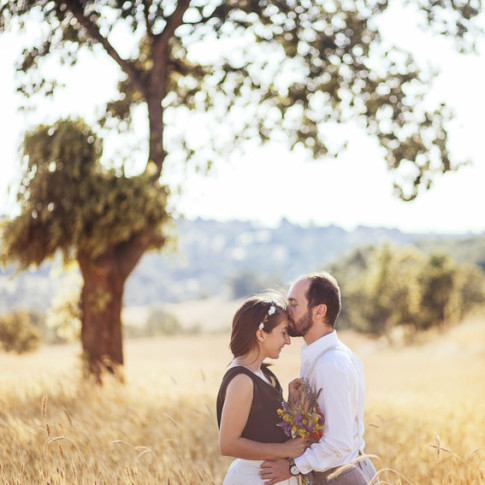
[264,312]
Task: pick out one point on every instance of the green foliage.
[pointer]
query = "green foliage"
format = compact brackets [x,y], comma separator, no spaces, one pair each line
[18,333]
[438,283]
[70,202]
[384,287]
[290,66]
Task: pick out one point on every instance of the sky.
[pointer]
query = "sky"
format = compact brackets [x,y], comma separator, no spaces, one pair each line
[267,184]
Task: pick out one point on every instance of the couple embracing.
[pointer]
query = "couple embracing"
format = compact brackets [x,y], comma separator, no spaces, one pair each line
[250,394]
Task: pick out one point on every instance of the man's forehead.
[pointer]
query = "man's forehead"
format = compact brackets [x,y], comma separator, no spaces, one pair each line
[298,289]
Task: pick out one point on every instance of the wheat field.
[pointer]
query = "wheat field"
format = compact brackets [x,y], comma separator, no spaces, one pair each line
[425,412]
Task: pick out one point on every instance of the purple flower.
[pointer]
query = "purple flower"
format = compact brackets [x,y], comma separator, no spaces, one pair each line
[298,419]
[286,428]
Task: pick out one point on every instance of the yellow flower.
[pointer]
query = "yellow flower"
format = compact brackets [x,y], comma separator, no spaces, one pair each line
[303,433]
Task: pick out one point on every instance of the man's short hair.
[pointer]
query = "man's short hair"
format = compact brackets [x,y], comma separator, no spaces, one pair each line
[324,289]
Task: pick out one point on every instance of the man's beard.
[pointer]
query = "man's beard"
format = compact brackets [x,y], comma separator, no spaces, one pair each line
[301,327]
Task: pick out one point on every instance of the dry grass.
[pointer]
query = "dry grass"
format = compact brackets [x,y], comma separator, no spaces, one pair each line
[160,427]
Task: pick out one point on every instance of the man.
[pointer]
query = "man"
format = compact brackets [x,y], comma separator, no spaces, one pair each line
[313,307]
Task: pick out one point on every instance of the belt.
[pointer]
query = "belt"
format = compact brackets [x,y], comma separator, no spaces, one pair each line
[318,477]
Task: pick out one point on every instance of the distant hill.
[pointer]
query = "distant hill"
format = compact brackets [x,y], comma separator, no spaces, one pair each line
[210,253]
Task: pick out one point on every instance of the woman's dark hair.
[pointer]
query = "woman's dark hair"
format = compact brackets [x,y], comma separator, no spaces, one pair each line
[324,290]
[267,309]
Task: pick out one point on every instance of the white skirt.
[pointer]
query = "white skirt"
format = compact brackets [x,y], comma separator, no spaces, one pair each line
[246,472]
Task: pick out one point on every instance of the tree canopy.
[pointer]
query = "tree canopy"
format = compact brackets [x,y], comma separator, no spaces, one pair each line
[71,203]
[270,68]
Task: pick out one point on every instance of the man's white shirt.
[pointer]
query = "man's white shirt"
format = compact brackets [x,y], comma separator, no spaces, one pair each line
[339,373]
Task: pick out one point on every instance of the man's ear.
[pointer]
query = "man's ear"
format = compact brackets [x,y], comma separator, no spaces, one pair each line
[320,311]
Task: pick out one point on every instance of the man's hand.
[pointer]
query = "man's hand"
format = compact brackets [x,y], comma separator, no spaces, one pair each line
[274,471]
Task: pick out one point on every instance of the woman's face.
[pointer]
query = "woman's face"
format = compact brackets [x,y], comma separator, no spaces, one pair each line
[275,340]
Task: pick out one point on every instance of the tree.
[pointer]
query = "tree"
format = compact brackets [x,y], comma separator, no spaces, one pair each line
[272,69]
[71,203]
[385,287]
[380,287]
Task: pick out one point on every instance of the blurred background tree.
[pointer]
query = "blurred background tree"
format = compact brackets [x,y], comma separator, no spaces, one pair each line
[71,203]
[288,69]
[18,333]
[386,287]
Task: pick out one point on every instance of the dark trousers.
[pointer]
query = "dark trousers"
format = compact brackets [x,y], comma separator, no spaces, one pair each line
[359,473]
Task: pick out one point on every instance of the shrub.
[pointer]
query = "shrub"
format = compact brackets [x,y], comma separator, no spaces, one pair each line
[18,334]
[161,322]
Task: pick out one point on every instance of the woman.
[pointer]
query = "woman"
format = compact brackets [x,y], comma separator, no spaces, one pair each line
[250,393]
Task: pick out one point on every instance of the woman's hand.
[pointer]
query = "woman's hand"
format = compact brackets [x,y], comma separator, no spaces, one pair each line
[295,447]
[294,390]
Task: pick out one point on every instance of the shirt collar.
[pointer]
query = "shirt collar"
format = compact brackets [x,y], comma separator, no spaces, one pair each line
[311,352]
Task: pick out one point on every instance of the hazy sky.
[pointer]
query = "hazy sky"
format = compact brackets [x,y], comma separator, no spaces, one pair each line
[269,183]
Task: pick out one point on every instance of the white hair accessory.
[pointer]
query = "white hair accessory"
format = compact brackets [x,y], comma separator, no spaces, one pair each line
[271,311]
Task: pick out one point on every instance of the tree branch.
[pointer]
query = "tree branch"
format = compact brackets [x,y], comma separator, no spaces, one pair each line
[160,45]
[93,30]
[146,14]
[128,253]
[174,20]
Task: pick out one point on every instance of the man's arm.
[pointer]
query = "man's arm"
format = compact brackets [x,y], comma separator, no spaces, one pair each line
[335,401]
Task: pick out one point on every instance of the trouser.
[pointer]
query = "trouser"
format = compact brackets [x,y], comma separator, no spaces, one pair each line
[359,473]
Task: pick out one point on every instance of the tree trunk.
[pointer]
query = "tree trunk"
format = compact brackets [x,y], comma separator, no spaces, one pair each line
[156,154]
[104,279]
[101,303]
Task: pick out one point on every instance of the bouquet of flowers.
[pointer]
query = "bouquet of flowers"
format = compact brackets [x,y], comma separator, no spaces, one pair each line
[303,418]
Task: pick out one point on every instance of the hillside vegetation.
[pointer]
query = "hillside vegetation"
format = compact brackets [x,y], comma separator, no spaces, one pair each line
[392,288]
[209,254]
[424,411]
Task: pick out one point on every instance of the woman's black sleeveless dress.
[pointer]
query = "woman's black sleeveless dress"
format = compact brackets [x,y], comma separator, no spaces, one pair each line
[261,425]
[263,418]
